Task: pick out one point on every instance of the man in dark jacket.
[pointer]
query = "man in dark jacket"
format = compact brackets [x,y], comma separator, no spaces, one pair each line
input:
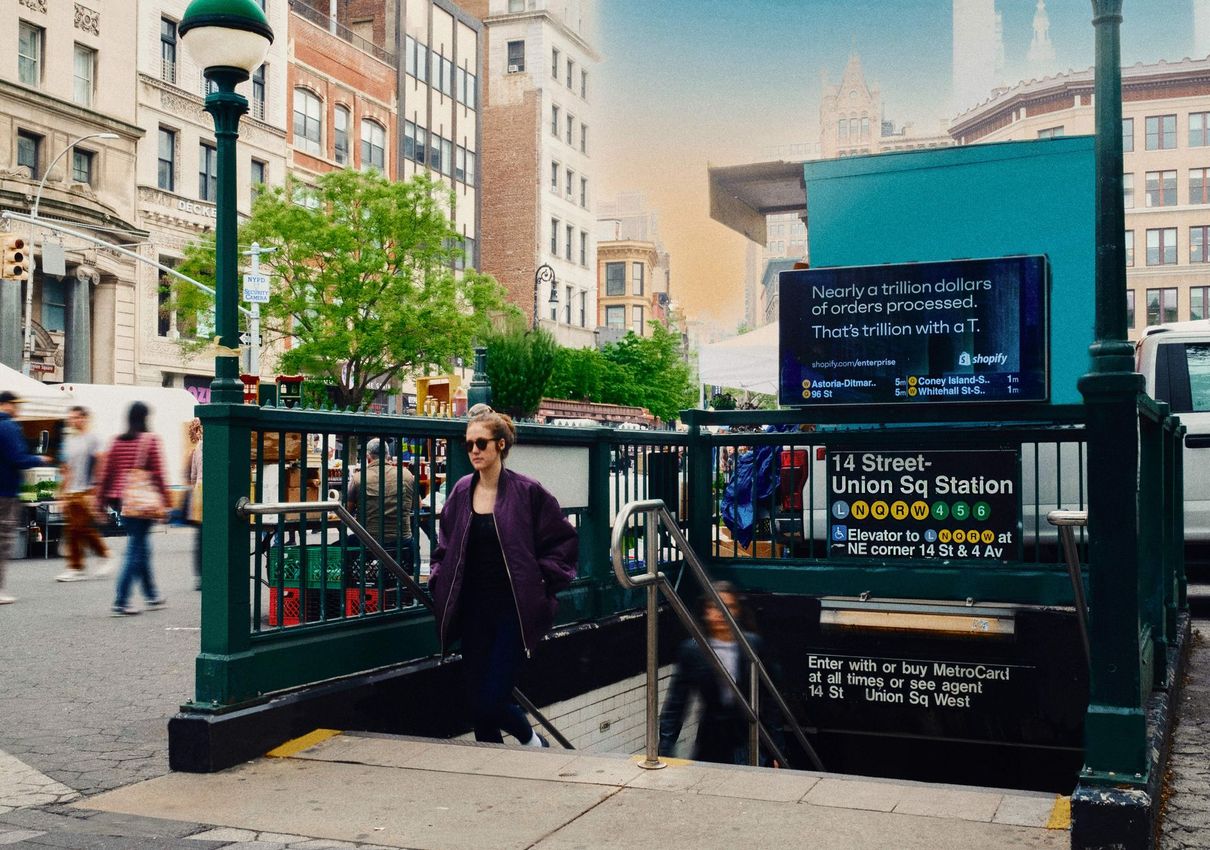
[14,457]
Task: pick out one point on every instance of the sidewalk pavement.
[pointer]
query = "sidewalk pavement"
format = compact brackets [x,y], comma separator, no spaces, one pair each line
[85,701]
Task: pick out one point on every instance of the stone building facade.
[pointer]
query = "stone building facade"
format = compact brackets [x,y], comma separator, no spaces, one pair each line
[1166,161]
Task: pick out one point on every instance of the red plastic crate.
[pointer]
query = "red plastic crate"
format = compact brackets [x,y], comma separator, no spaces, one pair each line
[289,607]
[794,468]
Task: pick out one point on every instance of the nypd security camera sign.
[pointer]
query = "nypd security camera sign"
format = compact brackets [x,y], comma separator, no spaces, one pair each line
[959,331]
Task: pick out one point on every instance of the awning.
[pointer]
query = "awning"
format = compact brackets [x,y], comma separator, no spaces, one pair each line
[746,362]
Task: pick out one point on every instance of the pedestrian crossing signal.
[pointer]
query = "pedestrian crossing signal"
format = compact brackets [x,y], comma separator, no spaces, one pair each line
[14,258]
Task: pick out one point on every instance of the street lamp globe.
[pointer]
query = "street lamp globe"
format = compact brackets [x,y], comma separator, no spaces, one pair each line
[220,34]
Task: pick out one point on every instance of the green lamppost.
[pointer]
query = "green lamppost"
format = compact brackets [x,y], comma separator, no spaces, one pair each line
[228,39]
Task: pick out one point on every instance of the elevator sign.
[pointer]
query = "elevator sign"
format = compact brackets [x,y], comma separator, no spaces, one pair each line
[924,504]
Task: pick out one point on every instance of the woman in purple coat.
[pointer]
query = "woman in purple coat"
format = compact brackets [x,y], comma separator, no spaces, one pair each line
[503,551]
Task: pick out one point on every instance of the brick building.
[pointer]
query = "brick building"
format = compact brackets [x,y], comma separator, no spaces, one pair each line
[538,171]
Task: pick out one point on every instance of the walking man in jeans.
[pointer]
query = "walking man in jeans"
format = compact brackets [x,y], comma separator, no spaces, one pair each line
[14,457]
[80,451]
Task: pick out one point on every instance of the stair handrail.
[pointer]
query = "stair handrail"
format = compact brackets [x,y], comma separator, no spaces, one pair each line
[245,508]
[655,582]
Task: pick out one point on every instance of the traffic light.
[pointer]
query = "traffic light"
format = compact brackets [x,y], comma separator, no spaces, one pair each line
[14,264]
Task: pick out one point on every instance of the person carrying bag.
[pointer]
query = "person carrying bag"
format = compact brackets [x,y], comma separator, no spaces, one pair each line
[133,483]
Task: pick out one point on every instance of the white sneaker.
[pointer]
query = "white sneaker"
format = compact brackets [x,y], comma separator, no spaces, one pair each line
[5,599]
[71,575]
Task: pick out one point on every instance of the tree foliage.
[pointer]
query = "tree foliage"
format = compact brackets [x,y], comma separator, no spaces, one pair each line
[363,280]
[519,364]
[577,375]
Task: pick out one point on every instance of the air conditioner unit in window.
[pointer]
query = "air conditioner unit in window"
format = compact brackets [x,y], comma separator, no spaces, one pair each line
[516,69]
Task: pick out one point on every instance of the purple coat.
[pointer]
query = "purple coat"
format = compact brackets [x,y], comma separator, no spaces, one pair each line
[540,549]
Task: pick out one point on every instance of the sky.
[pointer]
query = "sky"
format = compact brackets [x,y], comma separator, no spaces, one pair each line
[687,83]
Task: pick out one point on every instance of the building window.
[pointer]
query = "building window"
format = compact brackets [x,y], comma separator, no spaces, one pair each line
[1128,191]
[1161,188]
[166,160]
[1129,248]
[409,140]
[1127,135]
[446,78]
[1161,246]
[1050,133]
[615,317]
[258,177]
[1199,303]
[415,59]
[516,5]
[583,309]
[168,50]
[470,166]
[567,306]
[584,249]
[1161,132]
[571,126]
[29,54]
[636,279]
[29,149]
[460,164]
[584,192]
[516,57]
[584,84]
[81,166]
[636,319]
[447,157]
[583,137]
[435,152]
[258,93]
[555,171]
[568,243]
[1199,129]
[571,185]
[84,75]
[1129,309]
[554,63]
[207,172]
[615,279]
[1199,244]
[54,303]
[340,135]
[554,236]
[571,75]
[1161,306]
[308,120]
[374,146]
[1199,185]
[422,142]
[554,120]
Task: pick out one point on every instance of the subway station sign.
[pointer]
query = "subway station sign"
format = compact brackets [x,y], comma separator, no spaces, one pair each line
[924,504]
[912,333]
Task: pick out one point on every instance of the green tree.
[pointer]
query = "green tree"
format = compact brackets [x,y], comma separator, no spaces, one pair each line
[578,374]
[363,280]
[649,372]
[519,364]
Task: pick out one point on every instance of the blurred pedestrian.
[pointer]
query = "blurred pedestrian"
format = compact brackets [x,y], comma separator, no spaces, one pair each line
[76,472]
[723,727]
[193,508]
[503,551]
[133,483]
[387,508]
[14,457]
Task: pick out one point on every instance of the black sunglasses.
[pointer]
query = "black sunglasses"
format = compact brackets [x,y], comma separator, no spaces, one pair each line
[480,443]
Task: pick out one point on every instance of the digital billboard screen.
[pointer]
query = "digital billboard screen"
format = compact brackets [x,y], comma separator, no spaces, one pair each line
[913,333]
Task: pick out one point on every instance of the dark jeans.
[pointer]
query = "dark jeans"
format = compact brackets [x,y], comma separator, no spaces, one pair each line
[491,660]
[136,568]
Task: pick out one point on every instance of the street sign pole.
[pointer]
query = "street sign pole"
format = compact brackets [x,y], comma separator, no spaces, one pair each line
[254,315]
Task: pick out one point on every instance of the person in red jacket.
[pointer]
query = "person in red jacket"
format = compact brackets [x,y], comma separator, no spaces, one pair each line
[135,449]
[504,549]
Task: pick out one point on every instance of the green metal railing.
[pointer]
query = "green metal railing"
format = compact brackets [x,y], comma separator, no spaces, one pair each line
[348,617]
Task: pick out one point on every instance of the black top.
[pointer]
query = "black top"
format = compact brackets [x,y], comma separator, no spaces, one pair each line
[486,581]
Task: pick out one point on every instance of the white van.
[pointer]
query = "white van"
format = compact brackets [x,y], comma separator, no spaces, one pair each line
[1174,360]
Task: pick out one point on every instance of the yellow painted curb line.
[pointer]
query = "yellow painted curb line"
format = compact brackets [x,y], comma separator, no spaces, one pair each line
[665,759]
[299,744]
[1060,815]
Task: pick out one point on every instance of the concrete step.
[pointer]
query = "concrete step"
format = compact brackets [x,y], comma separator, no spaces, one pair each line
[419,793]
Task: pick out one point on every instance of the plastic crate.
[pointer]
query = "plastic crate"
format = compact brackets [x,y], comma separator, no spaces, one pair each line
[794,472]
[353,600]
[291,607]
[292,558]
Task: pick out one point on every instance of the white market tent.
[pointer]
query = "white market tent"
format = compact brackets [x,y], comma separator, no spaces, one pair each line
[39,401]
[746,362]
